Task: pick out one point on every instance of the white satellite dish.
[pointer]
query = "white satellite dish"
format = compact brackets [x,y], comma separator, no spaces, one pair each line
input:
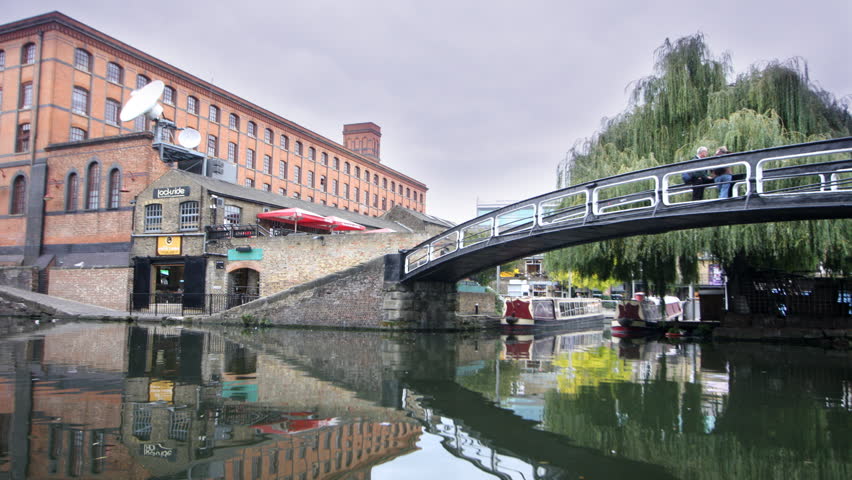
[189,138]
[144,102]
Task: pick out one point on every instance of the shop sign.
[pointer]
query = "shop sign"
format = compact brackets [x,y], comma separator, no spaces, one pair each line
[171,192]
[247,254]
[168,245]
[162,390]
[159,451]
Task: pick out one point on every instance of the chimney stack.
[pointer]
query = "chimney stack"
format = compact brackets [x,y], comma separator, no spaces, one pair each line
[363,138]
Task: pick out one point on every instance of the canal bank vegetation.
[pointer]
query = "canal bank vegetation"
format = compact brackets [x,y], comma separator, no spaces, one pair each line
[692,100]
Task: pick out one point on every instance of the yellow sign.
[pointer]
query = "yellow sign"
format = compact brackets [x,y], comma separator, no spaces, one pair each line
[168,245]
[162,390]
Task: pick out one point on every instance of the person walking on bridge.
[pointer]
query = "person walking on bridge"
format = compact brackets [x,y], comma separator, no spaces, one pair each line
[699,178]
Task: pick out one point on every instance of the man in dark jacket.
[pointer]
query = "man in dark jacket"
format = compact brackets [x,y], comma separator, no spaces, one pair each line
[699,178]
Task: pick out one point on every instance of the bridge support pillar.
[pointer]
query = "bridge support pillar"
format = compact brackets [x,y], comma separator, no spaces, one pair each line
[421,305]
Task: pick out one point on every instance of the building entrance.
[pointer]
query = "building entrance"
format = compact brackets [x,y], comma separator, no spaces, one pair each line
[167,279]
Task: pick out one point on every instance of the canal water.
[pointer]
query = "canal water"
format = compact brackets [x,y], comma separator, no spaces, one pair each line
[98,400]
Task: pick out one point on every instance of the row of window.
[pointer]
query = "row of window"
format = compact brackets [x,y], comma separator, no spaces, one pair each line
[92,195]
[189,216]
[28,54]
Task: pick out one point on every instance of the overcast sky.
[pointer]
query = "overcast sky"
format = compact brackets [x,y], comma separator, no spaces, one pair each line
[477,99]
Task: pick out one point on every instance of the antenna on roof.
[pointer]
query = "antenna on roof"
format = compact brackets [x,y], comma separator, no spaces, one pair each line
[144,101]
[189,138]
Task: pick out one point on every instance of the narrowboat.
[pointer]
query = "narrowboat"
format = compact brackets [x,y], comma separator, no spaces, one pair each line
[543,312]
[643,316]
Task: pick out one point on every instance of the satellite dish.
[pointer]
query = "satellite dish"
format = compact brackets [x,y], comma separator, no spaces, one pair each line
[144,102]
[189,138]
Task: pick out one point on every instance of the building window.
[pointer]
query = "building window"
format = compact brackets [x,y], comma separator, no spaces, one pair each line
[141,81]
[250,158]
[393,186]
[93,184]
[384,203]
[310,181]
[334,187]
[212,143]
[250,182]
[169,95]
[312,153]
[282,191]
[28,54]
[375,201]
[298,149]
[310,198]
[285,142]
[400,189]
[80,101]
[153,217]
[366,197]
[22,142]
[77,134]
[346,191]
[282,169]
[356,194]
[346,168]
[2,58]
[267,135]
[375,179]
[19,195]
[324,159]
[232,152]
[233,121]
[385,183]
[336,163]
[140,123]
[297,174]
[82,59]
[267,164]
[111,110]
[322,183]
[232,214]
[114,189]
[367,176]
[421,198]
[72,191]
[189,215]
[267,187]
[213,114]
[296,195]
[192,105]
[251,129]
[357,172]
[114,73]
[26,95]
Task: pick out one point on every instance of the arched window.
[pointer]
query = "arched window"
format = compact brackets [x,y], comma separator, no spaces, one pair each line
[336,163]
[72,192]
[114,188]
[213,114]
[285,142]
[251,129]
[169,95]
[367,176]
[77,134]
[141,81]
[153,217]
[22,142]
[312,153]
[114,73]
[28,54]
[111,111]
[82,60]
[346,168]
[393,186]
[191,105]
[19,195]
[298,149]
[93,184]
[2,58]
[80,101]
[267,135]
[212,145]
[375,179]
[189,215]
[324,158]
[234,121]
[357,172]
[385,183]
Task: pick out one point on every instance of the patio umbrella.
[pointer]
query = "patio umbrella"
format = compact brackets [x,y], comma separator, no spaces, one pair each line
[337,223]
[380,230]
[292,215]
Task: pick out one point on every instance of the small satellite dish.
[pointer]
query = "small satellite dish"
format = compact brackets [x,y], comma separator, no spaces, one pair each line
[189,138]
[144,102]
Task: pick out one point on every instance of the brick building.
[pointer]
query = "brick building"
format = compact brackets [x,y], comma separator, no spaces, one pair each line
[69,167]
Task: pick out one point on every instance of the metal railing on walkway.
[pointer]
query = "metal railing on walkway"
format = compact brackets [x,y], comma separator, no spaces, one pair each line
[182,304]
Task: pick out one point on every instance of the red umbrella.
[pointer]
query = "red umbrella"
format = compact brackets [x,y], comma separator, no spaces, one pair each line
[337,223]
[292,215]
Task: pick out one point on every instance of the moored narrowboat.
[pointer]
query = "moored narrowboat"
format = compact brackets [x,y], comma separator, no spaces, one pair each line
[541,312]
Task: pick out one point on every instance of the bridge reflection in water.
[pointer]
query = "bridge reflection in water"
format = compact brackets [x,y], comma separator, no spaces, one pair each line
[124,401]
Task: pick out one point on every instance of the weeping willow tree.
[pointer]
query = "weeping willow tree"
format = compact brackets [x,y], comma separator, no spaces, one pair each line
[689,102]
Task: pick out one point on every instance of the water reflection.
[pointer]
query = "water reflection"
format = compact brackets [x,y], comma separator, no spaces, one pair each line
[128,401]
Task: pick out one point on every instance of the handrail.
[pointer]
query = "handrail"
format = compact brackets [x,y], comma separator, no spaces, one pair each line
[761,168]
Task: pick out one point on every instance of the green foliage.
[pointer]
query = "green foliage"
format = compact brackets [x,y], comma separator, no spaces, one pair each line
[689,102]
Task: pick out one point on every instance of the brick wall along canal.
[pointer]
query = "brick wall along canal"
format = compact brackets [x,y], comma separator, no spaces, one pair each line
[130,401]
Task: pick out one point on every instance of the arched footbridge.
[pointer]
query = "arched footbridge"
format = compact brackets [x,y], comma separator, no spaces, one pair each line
[793,182]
